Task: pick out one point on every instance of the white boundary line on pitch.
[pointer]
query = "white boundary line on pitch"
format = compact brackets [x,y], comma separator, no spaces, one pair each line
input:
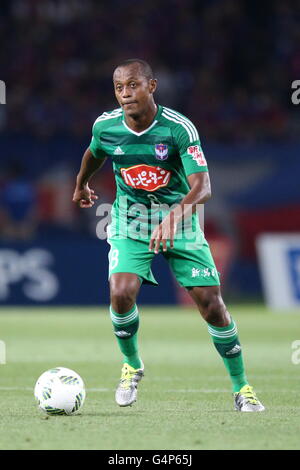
[103,390]
[174,390]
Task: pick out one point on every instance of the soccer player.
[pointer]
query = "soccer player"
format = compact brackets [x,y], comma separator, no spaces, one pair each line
[161,175]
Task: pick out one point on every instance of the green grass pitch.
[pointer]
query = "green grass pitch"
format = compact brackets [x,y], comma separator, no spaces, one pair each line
[184,400]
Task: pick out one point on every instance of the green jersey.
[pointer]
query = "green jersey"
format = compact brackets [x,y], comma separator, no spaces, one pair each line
[150,167]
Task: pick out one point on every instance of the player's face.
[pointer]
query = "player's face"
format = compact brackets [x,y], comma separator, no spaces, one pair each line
[133,90]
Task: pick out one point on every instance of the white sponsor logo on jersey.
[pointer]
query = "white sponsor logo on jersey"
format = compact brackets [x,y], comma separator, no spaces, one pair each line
[118,151]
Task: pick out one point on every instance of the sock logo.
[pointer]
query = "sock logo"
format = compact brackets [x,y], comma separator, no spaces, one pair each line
[236,349]
[122,334]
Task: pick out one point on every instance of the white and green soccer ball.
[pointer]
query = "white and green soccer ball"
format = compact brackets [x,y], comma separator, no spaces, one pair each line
[59,391]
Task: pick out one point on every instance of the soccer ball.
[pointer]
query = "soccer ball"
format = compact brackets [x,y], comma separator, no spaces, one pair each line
[59,391]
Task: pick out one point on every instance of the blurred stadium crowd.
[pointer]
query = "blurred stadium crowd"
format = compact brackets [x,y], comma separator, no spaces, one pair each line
[224,63]
[228,65]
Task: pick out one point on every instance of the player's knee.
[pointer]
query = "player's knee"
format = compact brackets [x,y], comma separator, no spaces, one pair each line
[214,310]
[123,296]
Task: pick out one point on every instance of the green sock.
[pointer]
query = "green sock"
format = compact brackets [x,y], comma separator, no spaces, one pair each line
[126,326]
[228,346]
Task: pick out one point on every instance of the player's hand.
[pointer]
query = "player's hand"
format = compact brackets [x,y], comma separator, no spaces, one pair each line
[84,197]
[163,232]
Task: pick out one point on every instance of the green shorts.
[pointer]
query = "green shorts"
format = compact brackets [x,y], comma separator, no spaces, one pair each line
[190,260]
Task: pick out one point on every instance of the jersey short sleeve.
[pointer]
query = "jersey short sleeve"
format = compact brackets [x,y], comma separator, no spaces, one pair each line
[190,149]
[95,145]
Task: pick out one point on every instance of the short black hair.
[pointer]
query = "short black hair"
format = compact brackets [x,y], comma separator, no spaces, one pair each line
[144,66]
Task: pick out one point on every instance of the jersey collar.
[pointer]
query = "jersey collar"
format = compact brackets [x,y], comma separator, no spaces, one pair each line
[158,112]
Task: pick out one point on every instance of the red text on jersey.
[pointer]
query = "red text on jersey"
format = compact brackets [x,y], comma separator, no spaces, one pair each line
[197,154]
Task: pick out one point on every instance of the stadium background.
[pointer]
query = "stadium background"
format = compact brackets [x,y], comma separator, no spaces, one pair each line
[227,65]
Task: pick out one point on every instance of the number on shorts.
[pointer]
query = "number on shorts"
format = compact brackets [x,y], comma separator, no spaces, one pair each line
[114,259]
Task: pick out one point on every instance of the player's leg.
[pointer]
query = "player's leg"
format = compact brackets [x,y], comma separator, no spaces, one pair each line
[223,331]
[129,265]
[193,266]
[124,288]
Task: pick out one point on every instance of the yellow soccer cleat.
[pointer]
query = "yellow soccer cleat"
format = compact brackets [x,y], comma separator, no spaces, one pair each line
[246,400]
[126,392]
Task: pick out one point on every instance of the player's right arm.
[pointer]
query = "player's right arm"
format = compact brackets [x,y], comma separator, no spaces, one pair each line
[93,159]
[83,195]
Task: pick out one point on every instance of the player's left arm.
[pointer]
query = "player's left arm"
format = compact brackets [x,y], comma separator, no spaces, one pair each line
[195,167]
[200,192]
